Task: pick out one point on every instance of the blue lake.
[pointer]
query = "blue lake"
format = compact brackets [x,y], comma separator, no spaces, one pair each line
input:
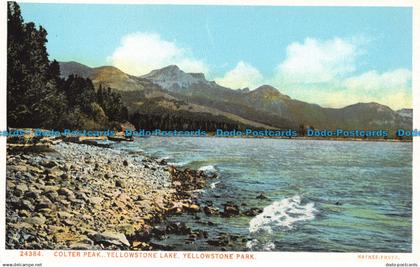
[322,195]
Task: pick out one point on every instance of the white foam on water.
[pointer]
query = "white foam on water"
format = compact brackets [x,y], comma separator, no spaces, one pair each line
[213,185]
[208,169]
[269,246]
[179,164]
[252,243]
[261,245]
[164,158]
[198,191]
[280,215]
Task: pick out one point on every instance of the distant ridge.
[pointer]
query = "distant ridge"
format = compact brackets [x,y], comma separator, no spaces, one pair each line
[173,91]
[75,68]
[107,76]
[406,112]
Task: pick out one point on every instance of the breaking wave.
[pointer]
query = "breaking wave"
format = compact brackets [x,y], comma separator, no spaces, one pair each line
[213,185]
[166,158]
[279,216]
[180,164]
[208,169]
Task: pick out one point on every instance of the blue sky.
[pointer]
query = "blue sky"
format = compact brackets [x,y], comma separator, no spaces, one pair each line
[303,51]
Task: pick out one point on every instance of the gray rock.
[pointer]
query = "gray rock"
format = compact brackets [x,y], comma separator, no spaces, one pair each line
[66,167]
[22,187]
[22,225]
[27,205]
[65,202]
[85,240]
[24,213]
[46,212]
[127,229]
[18,168]
[262,196]
[44,203]
[230,209]
[119,183]
[54,172]
[35,170]
[66,192]
[32,195]
[96,200]
[82,196]
[48,164]
[253,212]
[9,184]
[209,210]
[50,188]
[37,220]
[52,195]
[24,157]
[64,215]
[110,238]
[80,246]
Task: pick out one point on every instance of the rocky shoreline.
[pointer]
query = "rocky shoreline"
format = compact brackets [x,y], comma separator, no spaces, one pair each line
[78,196]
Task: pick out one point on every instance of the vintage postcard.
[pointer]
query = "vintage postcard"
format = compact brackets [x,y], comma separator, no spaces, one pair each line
[144,133]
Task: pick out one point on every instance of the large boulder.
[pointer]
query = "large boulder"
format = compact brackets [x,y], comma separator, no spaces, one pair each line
[110,238]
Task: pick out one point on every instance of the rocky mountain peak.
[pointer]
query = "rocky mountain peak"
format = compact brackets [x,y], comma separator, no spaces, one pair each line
[371,106]
[172,78]
[109,70]
[268,91]
[198,75]
[171,69]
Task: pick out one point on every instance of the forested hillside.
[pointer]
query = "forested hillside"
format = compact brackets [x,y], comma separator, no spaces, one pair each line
[37,96]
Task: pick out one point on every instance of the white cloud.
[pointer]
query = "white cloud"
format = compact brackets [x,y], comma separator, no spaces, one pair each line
[397,100]
[139,53]
[375,81]
[315,61]
[392,88]
[338,99]
[243,75]
[316,71]
[191,65]
[320,71]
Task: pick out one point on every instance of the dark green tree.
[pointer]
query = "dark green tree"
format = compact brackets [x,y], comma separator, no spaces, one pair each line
[33,99]
[37,96]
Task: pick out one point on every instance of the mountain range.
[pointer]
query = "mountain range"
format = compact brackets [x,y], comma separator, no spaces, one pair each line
[190,97]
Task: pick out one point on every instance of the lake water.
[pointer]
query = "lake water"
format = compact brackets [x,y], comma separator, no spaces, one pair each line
[323,195]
